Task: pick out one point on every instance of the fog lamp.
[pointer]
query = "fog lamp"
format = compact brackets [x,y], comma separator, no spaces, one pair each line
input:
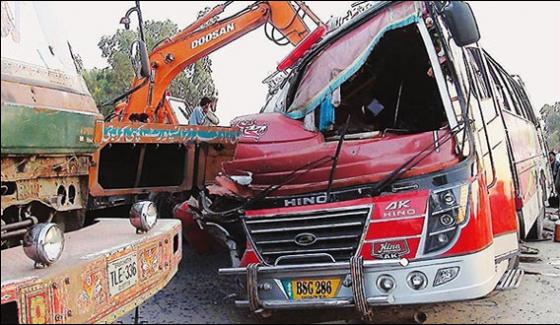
[43,243]
[143,216]
[446,275]
[417,280]
[386,283]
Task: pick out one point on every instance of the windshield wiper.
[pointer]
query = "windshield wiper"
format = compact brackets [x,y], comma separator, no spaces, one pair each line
[336,155]
[412,162]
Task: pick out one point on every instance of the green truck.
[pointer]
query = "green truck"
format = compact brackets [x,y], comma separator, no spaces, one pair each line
[77,271]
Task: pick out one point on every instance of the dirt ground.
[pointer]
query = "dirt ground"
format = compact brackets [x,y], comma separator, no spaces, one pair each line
[198,295]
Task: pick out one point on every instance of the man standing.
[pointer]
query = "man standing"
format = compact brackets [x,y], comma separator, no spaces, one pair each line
[198,115]
[556,168]
[211,117]
[552,162]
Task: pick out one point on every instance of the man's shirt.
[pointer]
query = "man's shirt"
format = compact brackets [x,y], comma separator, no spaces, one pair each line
[197,116]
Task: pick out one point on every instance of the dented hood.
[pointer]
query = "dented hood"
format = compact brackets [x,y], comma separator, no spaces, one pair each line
[273,147]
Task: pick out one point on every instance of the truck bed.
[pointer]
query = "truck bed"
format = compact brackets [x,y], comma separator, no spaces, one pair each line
[86,285]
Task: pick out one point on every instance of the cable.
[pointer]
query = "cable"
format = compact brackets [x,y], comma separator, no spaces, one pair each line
[278,40]
[126,94]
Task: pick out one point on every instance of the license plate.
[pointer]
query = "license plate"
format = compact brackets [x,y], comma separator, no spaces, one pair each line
[123,273]
[300,289]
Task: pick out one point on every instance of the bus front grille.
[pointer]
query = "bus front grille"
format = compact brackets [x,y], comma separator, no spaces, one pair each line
[330,235]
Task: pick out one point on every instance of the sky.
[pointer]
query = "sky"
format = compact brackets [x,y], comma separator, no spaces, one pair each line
[523,36]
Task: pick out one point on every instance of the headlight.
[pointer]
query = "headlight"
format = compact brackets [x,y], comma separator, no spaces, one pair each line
[43,243]
[143,216]
[448,210]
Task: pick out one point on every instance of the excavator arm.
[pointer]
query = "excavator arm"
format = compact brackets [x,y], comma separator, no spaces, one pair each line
[196,41]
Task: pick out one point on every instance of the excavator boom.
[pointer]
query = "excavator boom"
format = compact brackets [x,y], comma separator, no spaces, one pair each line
[197,41]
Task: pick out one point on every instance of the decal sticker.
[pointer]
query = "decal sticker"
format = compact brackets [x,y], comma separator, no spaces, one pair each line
[58,294]
[149,262]
[176,134]
[252,129]
[401,206]
[213,35]
[94,290]
[8,295]
[37,308]
[393,249]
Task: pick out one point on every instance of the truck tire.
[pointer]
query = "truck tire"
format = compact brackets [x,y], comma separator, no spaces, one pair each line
[70,220]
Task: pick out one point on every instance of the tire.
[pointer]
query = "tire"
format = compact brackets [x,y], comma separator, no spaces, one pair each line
[163,204]
[70,220]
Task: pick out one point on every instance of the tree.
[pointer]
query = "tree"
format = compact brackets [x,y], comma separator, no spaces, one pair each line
[105,84]
[551,119]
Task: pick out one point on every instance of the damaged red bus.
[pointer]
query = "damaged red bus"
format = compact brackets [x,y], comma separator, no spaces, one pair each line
[398,163]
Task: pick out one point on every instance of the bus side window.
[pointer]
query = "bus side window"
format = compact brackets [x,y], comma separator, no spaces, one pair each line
[511,94]
[503,94]
[482,88]
[523,101]
[483,109]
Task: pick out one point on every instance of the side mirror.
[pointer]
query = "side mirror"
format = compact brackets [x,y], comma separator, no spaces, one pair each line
[126,22]
[460,19]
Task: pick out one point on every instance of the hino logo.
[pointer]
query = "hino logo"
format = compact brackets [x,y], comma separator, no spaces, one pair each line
[390,249]
[213,35]
[305,239]
[318,199]
[397,209]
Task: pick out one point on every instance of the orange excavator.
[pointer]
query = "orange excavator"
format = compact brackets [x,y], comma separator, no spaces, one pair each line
[147,102]
[143,149]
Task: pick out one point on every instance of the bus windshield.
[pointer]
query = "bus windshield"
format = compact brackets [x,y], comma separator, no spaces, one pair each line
[379,74]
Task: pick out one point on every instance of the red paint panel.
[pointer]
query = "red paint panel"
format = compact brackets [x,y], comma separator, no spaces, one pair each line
[392,229]
[286,146]
[249,257]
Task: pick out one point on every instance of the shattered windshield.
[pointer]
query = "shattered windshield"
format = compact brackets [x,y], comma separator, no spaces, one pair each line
[378,76]
[343,58]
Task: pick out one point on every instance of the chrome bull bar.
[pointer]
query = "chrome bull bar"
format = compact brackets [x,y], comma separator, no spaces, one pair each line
[355,267]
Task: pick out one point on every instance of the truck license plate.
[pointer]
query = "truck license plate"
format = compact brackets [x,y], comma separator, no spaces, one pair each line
[123,273]
[312,288]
